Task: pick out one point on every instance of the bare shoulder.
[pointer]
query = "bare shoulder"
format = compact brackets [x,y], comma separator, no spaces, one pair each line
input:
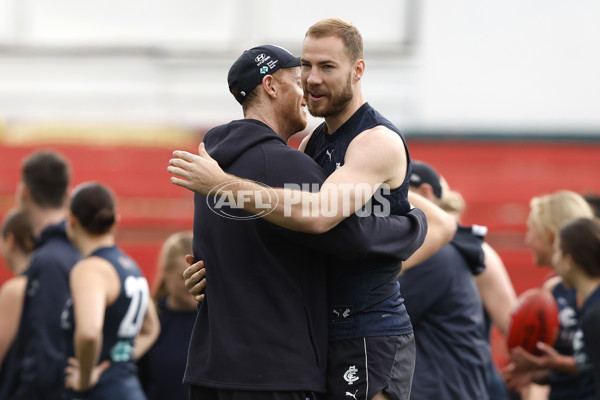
[14,288]
[378,133]
[382,150]
[93,268]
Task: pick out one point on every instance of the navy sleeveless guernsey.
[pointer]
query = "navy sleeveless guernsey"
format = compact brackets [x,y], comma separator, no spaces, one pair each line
[122,322]
[565,386]
[364,296]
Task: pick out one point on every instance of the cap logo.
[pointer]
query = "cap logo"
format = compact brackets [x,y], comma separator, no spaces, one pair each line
[260,57]
[264,70]
[415,178]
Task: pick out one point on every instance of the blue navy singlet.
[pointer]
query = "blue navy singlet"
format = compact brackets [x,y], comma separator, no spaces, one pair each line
[565,386]
[122,322]
[364,296]
[40,347]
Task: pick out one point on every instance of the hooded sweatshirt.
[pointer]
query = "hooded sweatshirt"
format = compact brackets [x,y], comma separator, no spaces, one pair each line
[263,322]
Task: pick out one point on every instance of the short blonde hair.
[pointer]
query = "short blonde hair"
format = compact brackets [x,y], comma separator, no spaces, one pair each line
[552,211]
[337,27]
[452,201]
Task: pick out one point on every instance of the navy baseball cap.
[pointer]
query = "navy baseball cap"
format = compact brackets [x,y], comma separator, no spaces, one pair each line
[424,173]
[248,71]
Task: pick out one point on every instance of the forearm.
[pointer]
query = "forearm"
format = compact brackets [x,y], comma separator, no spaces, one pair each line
[143,343]
[564,364]
[294,207]
[149,332]
[87,352]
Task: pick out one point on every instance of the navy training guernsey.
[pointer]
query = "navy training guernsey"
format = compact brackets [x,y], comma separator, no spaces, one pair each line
[122,322]
[263,322]
[583,342]
[564,386]
[40,346]
[364,296]
[590,326]
[444,305]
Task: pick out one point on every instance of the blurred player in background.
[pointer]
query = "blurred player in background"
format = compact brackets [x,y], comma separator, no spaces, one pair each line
[494,286]
[40,346]
[577,260]
[16,244]
[547,215]
[110,321]
[161,368]
[446,310]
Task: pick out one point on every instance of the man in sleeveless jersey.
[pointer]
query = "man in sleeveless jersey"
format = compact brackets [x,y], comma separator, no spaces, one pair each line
[40,346]
[371,345]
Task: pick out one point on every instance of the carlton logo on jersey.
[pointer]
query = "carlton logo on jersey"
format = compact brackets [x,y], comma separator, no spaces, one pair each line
[350,375]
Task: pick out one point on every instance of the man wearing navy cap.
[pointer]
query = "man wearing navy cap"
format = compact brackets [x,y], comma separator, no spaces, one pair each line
[261,331]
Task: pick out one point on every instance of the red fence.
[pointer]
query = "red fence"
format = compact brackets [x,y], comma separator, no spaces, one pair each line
[496,178]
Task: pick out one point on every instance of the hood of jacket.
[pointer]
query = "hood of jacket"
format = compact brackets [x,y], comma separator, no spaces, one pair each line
[225,143]
[468,241]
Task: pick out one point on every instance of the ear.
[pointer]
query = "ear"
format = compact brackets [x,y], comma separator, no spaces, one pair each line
[359,70]
[569,264]
[22,194]
[426,190]
[71,220]
[269,86]
[9,241]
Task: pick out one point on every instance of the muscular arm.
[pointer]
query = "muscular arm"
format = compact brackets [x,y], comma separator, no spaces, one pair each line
[373,158]
[12,295]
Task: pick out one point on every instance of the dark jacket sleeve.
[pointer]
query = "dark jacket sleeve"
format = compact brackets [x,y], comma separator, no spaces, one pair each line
[396,236]
[468,241]
[393,236]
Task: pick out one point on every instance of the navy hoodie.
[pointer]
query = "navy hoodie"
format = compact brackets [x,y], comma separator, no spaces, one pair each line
[263,323]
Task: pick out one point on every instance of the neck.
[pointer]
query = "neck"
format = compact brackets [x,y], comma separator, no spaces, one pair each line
[268,117]
[585,286]
[19,263]
[89,244]
[41,218]
[333,122]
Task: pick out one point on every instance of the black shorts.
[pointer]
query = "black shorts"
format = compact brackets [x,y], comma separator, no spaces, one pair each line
[360,368]
[204,393]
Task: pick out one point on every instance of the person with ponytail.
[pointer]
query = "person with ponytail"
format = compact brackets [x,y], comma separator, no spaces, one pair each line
[109,319]
[16,244]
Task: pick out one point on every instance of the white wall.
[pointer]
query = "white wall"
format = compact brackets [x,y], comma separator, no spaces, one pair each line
[446,64]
